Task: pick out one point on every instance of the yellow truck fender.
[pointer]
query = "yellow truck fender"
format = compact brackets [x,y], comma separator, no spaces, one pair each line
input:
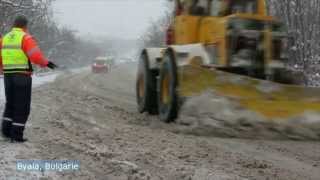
[190,54]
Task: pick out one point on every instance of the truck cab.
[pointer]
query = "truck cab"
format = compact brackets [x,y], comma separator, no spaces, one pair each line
[239,33]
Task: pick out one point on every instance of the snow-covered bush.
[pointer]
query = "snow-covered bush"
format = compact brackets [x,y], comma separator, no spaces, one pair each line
[302,19]
[61,45]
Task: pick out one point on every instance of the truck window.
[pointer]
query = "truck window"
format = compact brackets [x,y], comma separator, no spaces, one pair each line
[100,62]
[243,6]
[199,7]
[215,8]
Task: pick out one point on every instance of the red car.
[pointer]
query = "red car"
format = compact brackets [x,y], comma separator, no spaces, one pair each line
[99,66]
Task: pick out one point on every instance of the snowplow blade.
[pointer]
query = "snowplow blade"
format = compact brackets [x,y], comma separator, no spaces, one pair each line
[274,101]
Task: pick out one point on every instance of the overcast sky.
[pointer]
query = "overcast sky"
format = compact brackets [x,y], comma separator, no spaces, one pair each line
[119,18]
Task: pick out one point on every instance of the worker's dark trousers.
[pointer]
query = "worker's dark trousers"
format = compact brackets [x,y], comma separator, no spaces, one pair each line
[17,108]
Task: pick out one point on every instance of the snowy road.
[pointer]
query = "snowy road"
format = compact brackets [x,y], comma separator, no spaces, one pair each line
[92,118]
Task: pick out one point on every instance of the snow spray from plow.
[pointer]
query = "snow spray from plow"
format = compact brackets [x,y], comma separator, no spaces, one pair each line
[231,105]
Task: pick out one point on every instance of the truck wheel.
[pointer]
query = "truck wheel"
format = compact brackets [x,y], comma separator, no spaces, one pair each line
[146,89]
[168,83]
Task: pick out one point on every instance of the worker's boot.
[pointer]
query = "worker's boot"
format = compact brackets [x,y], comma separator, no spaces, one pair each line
[6,126]
[16,133]
[19,140]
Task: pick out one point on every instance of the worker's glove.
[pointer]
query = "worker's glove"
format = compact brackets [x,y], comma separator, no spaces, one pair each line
[51,65]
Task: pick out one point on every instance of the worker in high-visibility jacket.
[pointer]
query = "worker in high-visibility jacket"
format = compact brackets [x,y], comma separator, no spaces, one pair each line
[18,51]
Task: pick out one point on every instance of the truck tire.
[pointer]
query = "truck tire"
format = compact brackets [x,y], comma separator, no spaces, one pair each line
[168,83]
[146,87]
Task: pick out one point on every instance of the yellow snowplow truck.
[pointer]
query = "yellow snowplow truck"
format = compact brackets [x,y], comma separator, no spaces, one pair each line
[230,47]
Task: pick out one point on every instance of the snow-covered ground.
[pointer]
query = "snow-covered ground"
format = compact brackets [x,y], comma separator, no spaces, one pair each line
[36,81]
[39,79]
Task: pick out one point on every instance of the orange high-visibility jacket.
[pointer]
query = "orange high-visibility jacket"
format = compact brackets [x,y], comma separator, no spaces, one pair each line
[32,50]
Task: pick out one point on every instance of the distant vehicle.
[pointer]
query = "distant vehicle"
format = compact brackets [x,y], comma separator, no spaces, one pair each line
[110,61]
[101,65]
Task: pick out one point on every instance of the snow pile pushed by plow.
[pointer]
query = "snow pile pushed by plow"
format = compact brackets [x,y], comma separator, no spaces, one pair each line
[213,115]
